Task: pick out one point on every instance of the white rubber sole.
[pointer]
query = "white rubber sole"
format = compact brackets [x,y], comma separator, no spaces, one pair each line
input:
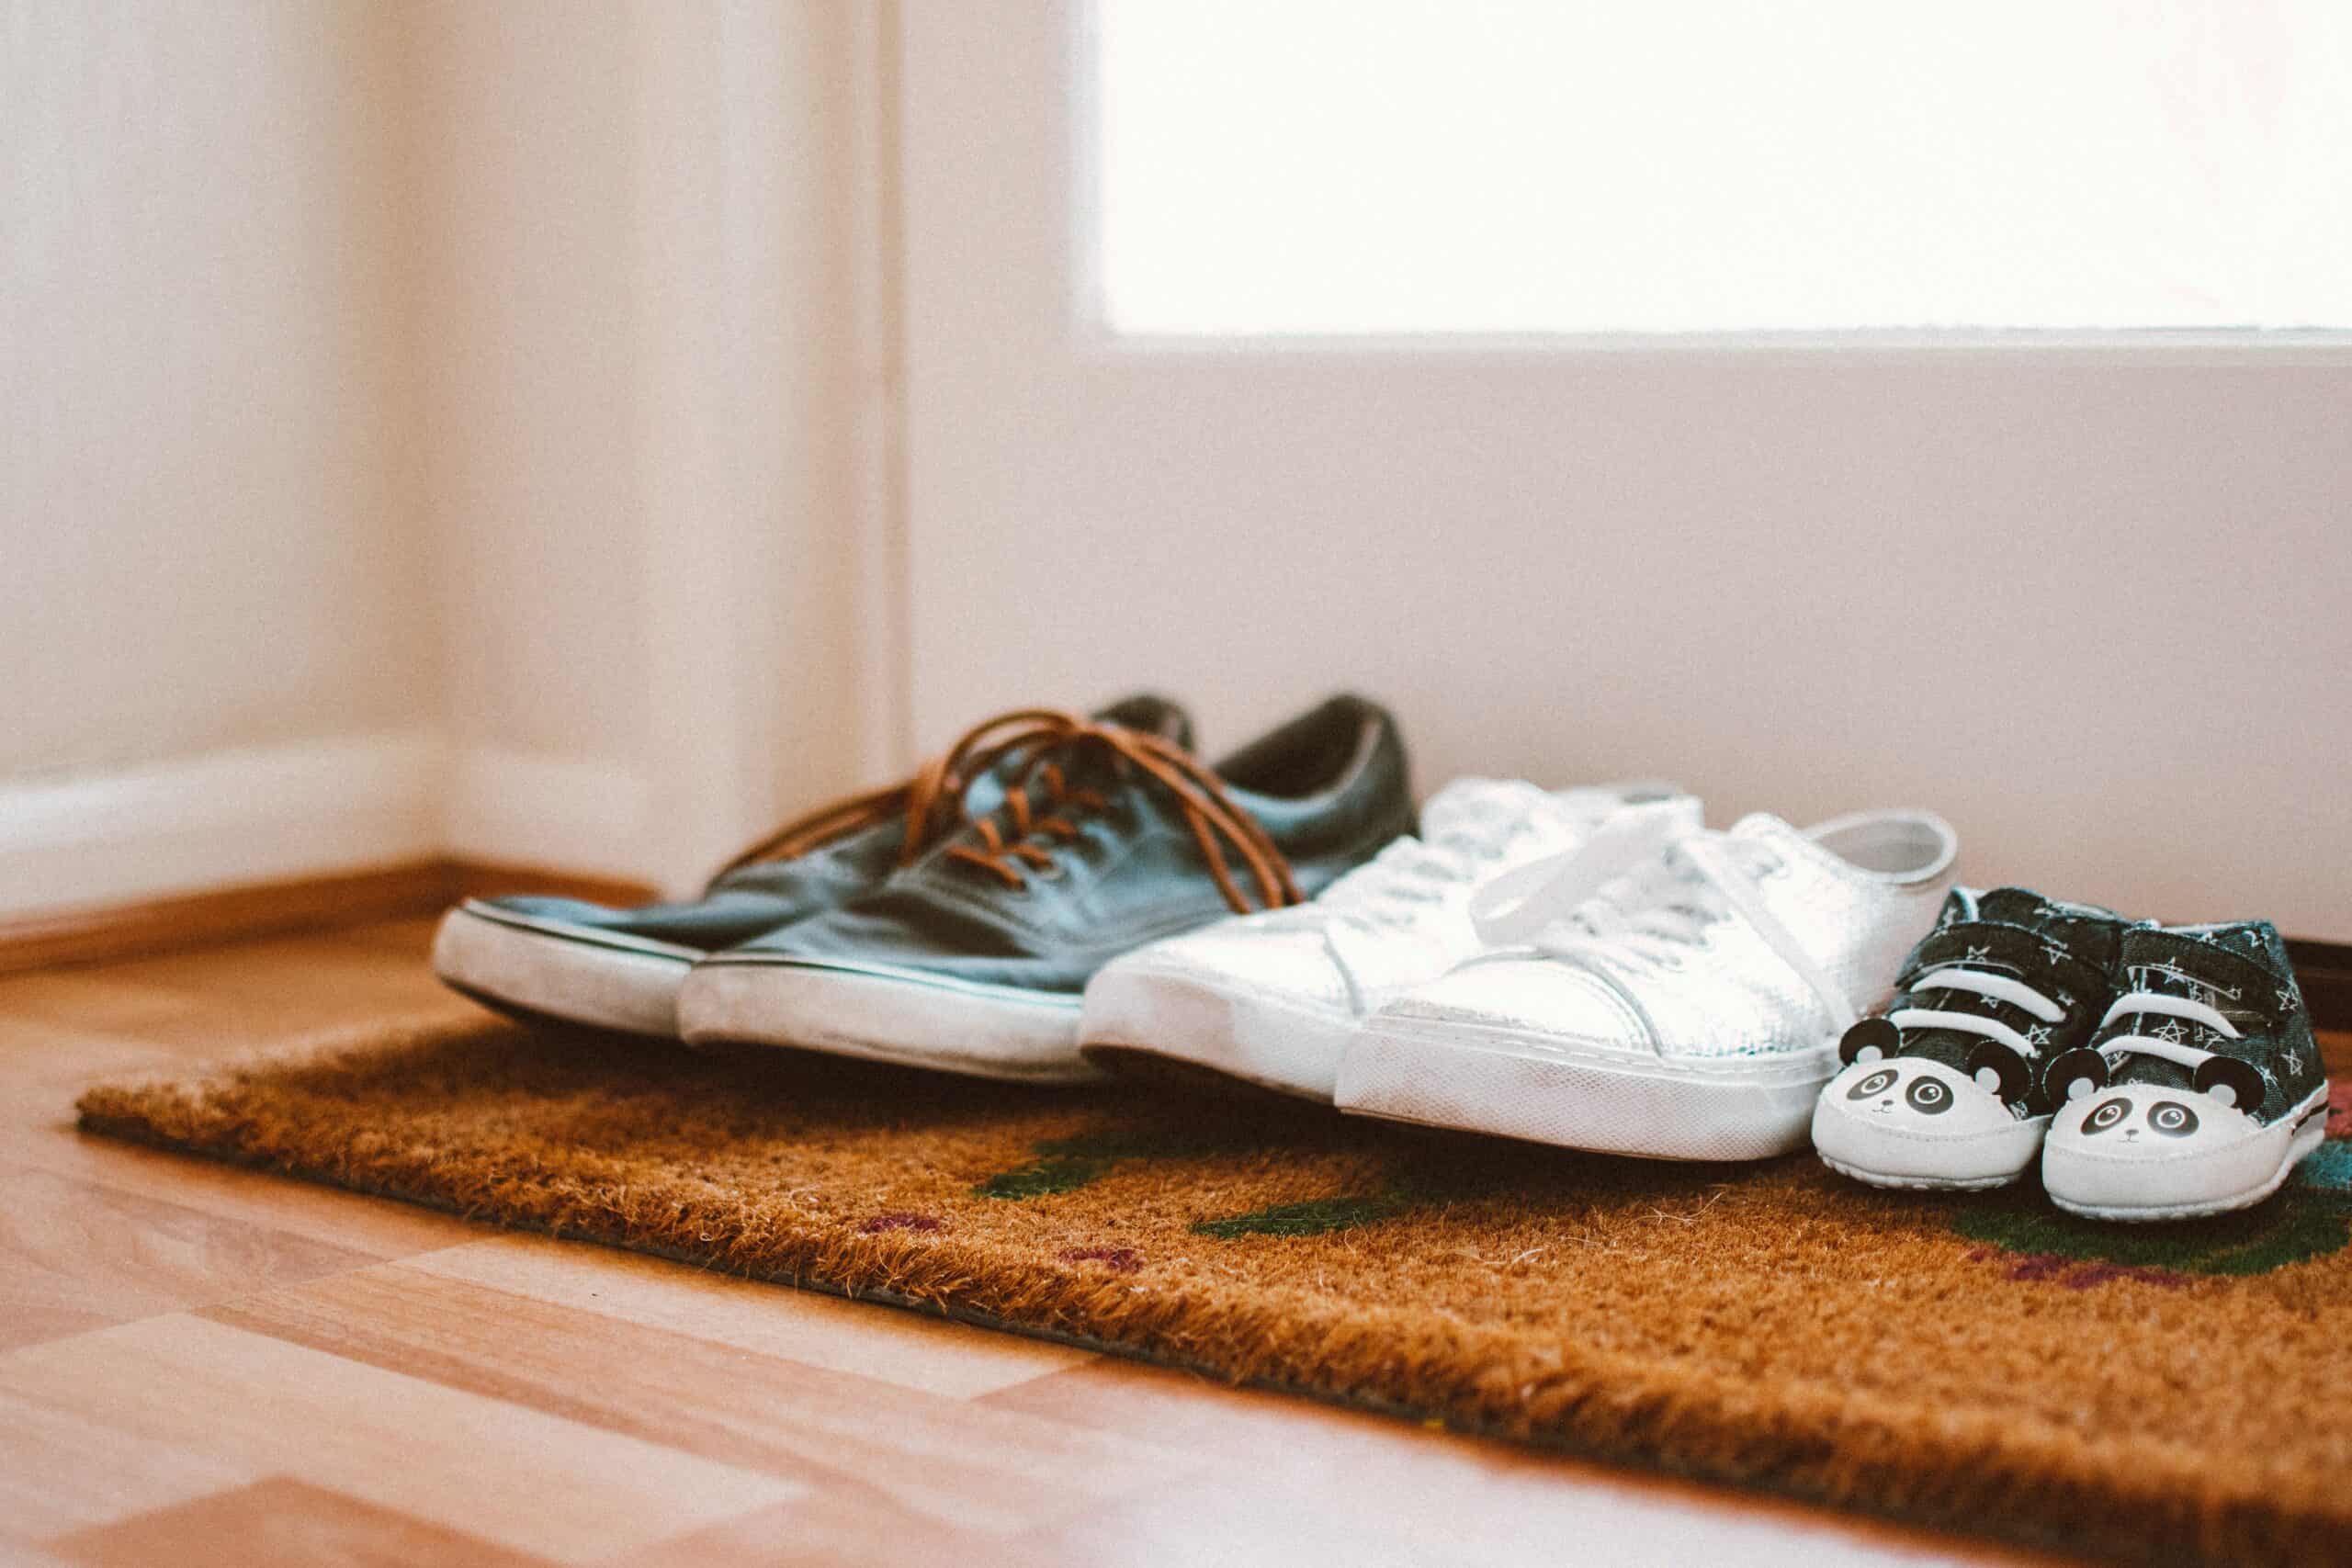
[1921,1183]
[607,980]
[885,1015]
[1886,1153]
[2237,1177]
[1547,1091]
[1177,1017]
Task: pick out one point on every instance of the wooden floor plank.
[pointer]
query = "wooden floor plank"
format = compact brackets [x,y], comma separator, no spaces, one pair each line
[284,1523]
[409,939]
[526,1480]
[63,1467]
[940,1456]
[902,1347]
[378,1227]
[197,1004]
[75,1255]
[1289,1472]
[836,1525]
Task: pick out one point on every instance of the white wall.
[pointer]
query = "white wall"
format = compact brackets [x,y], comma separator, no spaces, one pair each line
[427,427]
[200,327]
[2090,605]
[634,272]
[207,514]
[443,425]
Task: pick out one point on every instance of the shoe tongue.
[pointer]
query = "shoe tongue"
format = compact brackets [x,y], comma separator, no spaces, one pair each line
[1150,714]
[2084,932]
[2229,968]
[1766,828]
[1471,803]
[2065,951]
[1997,947]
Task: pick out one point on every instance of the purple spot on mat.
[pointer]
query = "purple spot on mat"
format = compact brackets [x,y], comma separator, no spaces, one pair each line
[1118,1259]
[2090,1274]
[881,1222]
[2074,1273]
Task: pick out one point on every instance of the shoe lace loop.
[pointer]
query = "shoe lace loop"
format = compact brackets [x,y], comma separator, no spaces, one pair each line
[920,802]
[2169,1042]
[2000,988]
[1412,871]
[1039,736]
[1626,900]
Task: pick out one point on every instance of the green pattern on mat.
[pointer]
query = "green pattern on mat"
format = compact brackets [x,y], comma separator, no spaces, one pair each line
[1064,1165]
[2294,1227]
[1316,1216]
[2328,1169]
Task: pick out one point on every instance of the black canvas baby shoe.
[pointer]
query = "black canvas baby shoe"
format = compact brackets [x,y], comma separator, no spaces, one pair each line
[2202,1087]
[973,960]
[1945,1089]
[565,958]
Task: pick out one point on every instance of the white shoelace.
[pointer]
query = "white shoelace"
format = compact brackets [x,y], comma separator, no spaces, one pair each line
[2174,1051]
[1411,871]
[2002,987]
[1641,893]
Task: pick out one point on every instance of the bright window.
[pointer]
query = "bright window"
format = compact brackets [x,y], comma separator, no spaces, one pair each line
[1597,166]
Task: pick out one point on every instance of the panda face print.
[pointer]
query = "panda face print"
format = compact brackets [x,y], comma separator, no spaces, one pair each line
[2105,1116]
[2165,1118]
[1890,1090]
[1928,1097]
[1874,1083]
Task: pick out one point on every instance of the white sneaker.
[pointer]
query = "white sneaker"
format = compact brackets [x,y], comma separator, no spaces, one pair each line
[1272,998]
[1687,1009]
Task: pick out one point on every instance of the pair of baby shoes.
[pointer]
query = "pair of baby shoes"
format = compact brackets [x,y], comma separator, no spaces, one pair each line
[2156,1072]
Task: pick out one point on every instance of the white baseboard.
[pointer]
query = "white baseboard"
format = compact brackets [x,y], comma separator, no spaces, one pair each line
[312,808]
[305,808]
[578,814]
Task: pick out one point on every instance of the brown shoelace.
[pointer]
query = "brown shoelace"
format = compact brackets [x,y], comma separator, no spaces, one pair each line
[932,801]
[920,801]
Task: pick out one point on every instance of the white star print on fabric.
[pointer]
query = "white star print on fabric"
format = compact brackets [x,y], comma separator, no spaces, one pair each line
[2173,1031]
[2286,998]
[2294,1060]
[2038,1035]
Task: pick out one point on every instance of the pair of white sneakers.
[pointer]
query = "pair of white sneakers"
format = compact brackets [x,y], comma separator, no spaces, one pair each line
[1591,967]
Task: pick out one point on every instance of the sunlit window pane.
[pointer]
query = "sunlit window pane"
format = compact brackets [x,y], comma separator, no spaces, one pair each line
[1384,167]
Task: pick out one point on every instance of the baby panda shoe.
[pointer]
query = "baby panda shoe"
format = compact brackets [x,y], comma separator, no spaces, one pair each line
[2202,1087]
[1944,1089]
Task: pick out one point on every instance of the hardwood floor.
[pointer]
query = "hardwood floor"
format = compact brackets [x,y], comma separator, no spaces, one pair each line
[200,1364]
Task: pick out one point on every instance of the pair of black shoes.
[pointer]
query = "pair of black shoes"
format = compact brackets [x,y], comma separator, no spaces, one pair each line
[2155,1072]
[953,920]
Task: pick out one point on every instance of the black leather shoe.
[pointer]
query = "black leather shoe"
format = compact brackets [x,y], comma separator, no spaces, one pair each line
[973,959]
[565,958]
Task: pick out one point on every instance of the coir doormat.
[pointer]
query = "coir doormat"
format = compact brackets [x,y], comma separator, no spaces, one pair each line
[2173,1393]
